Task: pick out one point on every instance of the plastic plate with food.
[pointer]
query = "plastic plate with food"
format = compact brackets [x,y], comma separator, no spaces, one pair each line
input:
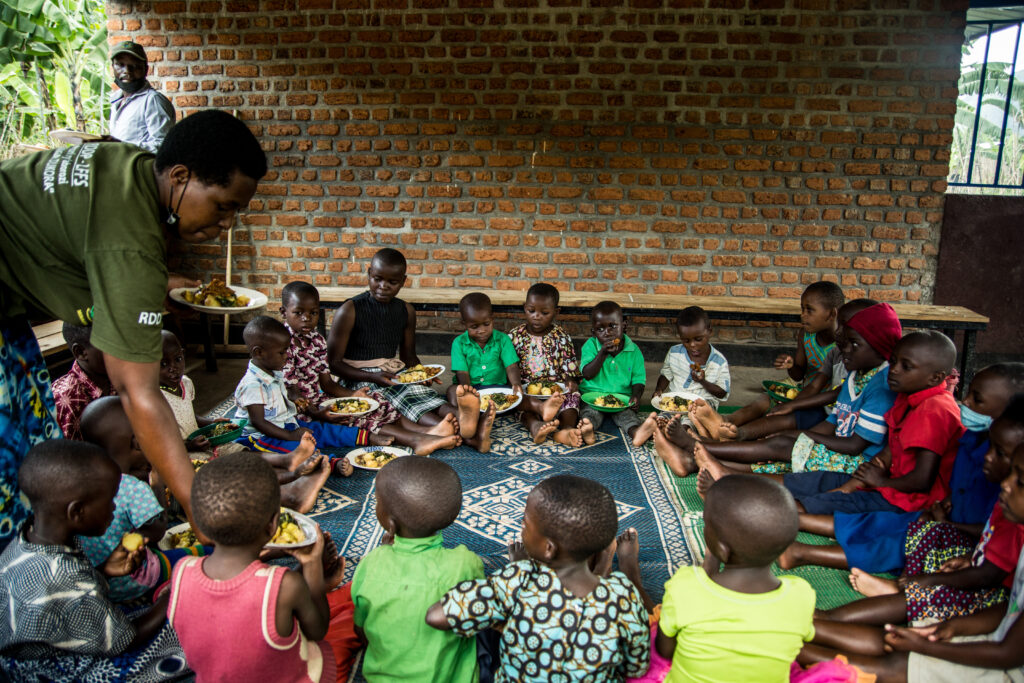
[419,373]
[544,388]
[294,530]
[217,297]
[177,537]
[674,401]
[352,406]
[375,457]
[780,391]
[220,432]
[606,402]
[503,398]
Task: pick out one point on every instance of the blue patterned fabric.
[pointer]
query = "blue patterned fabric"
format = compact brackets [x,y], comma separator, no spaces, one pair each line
[28,415]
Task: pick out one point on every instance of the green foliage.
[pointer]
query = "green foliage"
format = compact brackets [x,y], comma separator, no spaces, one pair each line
[55,72]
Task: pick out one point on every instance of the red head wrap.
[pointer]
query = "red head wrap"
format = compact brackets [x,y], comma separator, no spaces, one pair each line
[880,328]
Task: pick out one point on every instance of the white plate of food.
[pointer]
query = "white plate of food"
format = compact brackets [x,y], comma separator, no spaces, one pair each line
[538,388]
[350,406]
[294,530]
[418,374]
[504,399]
[178,536]
[374,457]
[674,402]
[217,297]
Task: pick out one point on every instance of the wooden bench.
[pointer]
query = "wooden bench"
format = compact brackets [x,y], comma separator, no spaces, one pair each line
[949,319]
[50,337]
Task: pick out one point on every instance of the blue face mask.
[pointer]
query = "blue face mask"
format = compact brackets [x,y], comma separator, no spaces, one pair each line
[973,421]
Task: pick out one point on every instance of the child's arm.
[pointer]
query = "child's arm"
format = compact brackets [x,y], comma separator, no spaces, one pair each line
[260,423]
[926,468]
[988,575]
[665,645]
[591,369]
[710,387]
[462,377]
[407,350]
[825,434]
[149,623]
[305,596]
[436,617]
[661,386]
[796,364]
[806,399]
[818,383]
[988,654]
[515,377]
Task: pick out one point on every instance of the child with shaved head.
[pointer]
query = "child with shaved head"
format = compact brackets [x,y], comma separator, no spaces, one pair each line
[738,622]
[416,499]
[562,621]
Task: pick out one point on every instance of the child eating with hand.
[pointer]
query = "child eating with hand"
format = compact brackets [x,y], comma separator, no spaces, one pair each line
[310,382]
[612,363]
[60,623]
[546,353]
[482,357]
[561,620]
[85,382]
[416,499]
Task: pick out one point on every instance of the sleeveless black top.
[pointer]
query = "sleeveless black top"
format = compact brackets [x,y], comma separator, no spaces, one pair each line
[378,328]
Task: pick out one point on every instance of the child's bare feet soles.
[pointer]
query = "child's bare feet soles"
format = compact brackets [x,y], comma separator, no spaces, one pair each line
[426,444]
[483,431]
[551,407]
[679,461]
[446,427]
[708,462]
[542,430]
[727,431]
[468,401]
[646,430]
[309,465]
[302,493]
[302,453]
[517,551]
[570,436]
[704,482]
[678,433]
[701,412]
[586,428]
[334,563]
[871,585]
[381,440]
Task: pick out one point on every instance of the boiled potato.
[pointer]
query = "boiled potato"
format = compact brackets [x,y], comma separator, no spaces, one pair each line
[131,541]
[792,393]
[533,388]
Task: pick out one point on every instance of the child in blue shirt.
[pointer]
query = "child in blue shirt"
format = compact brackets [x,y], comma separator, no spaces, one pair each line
[612,363]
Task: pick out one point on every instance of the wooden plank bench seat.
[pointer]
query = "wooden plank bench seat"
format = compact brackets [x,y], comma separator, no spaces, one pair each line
[50,337]
[949,319]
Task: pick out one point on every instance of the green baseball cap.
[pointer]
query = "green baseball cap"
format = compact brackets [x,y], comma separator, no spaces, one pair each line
[128,47]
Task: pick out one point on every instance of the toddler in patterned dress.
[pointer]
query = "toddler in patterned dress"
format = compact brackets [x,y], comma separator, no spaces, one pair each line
[310,382]
[546,353]
[562,621]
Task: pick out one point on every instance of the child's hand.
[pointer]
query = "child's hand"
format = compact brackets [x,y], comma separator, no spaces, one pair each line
[571,386]
[955,564]
[123,562]
[697,372]
[871,474]
[781,409]
[310,554]
[346,468]
[296,434]
[784,361]
[611,346]
[362,392]
[517,389]
[900,639]
[301,404]
[200,443]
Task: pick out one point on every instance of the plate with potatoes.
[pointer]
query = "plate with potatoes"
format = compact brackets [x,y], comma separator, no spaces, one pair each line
[294,530]
[350,406]
[674,402]
[417,374]
[544,388]
[504,399]
[374,457]
[223,300]
[780,391]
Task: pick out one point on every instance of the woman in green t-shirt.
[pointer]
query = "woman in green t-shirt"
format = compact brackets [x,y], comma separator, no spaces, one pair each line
[83,234]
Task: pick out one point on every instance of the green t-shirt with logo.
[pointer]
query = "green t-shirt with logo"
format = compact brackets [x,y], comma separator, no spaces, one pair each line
[80,228]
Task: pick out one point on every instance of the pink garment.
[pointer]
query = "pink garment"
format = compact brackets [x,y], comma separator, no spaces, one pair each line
[837,670]
[228,631]
[660,666]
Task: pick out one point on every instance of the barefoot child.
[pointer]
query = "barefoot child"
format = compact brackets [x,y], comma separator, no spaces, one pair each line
[310,382]
[612,363]
[367,333]
[85,382]
[482,357]
[276,619]
[546,353]
[61,625]
[416,499]
[738,622]
[695,365]
[987,646]
[560,618]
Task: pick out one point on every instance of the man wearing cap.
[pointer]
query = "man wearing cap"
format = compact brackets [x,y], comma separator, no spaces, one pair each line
[138,113]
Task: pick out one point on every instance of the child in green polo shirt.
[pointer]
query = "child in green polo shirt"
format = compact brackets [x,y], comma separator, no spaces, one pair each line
[481,357]
[612,364]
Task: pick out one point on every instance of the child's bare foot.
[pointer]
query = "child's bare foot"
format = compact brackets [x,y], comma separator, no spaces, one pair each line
[676,432]
[702,431]
[517,551]
[300,456]
[551,407]
[791,557]
[301,494]
[701,411]
[468,401]
[343,467]
[679,461]
[646,430]
[333,562]
[542,430]
[425,445]
[708,462]
[309,465]
[871,585]
[482,440]
[586,428]
[628,550]
[381,440]
[704,482]
[727,431]
[570,436]
[446,427]
[601,563]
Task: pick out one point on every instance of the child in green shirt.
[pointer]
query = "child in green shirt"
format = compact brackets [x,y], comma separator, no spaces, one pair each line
[613,364]
[482,357]
[395,583]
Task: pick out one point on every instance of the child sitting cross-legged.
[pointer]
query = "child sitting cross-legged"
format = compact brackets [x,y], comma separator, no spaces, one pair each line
[310,382]
[239,619]
[612,363]
[367,334]
[561,620]
[546,354]
[59,623]
[738,622]
[986,646]
[395,583]
[482,357]
[262,397]
[85,382]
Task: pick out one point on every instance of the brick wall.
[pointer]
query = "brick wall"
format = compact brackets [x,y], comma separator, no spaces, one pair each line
[739,147]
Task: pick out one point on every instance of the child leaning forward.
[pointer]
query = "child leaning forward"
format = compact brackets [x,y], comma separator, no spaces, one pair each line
[612,363]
